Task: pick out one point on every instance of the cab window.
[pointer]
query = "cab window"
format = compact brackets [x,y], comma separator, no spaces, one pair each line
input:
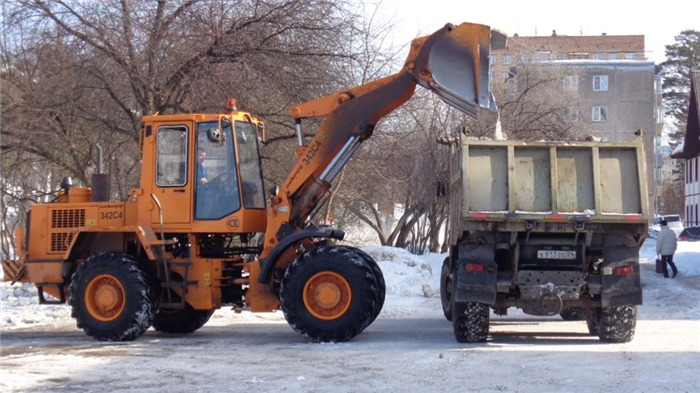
[215,174]
[171,156]
[251,165]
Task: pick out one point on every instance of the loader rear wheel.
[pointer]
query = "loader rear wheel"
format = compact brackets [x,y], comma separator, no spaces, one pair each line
[327,295]
[617,324]
[470,321]
[378,275]
[111,299]
[182,321]
[446,289]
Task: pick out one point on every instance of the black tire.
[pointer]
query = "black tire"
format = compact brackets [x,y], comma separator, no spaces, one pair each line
[572,314]
[592,321]
[378,275]
[470,321]
[336,318]
[617,324]
[446,288]
[182,321]
[117,279]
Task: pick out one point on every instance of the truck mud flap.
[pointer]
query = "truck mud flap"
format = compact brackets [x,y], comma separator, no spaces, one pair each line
[621,279]
[475,277]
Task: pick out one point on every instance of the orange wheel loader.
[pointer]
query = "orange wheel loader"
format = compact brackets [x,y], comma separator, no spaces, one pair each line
[200,232]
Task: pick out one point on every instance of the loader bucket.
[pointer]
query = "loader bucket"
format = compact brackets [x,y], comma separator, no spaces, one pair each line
[459,65]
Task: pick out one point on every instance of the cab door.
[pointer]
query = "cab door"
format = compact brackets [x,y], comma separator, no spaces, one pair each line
[172,187]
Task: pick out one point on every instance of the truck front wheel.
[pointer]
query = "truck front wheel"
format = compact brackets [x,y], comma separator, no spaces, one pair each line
[617,324]
[111,299]
[446,289]
[329,295]
[470,321]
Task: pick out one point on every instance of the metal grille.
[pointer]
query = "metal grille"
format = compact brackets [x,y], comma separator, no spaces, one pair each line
[60,241]
[67,218]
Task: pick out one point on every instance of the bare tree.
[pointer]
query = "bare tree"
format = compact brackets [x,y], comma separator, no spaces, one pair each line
[536,100]
[75,74]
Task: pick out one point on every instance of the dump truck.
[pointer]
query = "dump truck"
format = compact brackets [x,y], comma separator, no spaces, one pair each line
[546,227]
[200,232]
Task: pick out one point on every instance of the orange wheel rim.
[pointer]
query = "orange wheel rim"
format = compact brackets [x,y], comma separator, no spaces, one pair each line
[104,298]
[327,296]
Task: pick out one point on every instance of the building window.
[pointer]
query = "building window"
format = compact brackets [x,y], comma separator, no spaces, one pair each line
[492,76]
[507,59]
[600,114]
[571,83]
[542,57]
[597,56]
[506,75]
[572,114]
[612,56]
[600,83]
[629,56]
[523,58]
[561,56]
[492,59]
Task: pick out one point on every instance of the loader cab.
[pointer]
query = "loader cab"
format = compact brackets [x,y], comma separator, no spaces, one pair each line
[224,180]
[205,172]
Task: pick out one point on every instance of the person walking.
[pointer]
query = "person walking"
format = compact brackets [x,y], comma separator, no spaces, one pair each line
[666,246]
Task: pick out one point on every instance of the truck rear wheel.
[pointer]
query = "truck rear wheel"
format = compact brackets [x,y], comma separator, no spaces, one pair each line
[329,295]
[182,321]
[617,324]
[446,288]
[470,321]
[111,299]
[592,321]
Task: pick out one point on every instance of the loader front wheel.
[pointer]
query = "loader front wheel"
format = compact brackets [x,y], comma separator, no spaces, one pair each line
[182,321]
[328,295]
[111,299]
[378,275]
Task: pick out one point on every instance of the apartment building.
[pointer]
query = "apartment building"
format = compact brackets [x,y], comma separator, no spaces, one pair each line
[690,152]
[618,91]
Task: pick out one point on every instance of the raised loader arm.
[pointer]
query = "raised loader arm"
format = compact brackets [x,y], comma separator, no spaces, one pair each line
[453,63]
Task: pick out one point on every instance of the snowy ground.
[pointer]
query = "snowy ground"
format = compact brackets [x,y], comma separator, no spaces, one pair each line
[410,347]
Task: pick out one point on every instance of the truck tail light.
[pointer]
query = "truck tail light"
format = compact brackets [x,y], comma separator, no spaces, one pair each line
[475,268]
[624,271]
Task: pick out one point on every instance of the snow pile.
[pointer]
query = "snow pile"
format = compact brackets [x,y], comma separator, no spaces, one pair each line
[406,274]
[20,306]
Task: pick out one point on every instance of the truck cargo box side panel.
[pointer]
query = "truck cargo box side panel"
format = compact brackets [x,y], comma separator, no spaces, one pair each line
[575,180]
[488,179]
[619,181]
[532,180]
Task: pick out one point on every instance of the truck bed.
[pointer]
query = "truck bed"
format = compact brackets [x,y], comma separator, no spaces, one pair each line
[550,183]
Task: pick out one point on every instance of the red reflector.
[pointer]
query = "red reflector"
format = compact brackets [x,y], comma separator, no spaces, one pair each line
[633,218]
[624,271]
[480,216]
[683,238]
[474,268]
[556,217]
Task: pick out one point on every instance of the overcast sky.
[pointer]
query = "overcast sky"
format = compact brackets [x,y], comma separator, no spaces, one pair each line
[659,21]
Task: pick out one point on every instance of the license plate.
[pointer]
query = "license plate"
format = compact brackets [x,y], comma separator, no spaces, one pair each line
[552,254]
